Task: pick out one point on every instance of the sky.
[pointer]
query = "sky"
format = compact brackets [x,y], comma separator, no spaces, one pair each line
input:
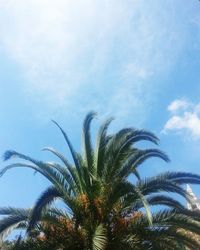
[136,60]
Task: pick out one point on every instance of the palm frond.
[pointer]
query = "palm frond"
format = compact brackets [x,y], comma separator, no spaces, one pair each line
[101,143]
[176,219]
[73,152]
[47,197]
[14,211]
[137,159]
[181,177]
[99,238]
[166,201]
[126,138]
[70,168]
[153,185]
[87,144]
[13,221]
[146,205]
[43,168]
[66,176]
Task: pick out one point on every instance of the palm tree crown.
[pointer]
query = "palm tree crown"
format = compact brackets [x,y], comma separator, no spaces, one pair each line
[102,204]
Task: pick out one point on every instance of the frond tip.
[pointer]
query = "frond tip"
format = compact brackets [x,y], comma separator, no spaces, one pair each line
[9,154]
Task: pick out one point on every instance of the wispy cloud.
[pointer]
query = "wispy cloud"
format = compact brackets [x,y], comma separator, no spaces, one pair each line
[177,105]
[91,54]
[186,119]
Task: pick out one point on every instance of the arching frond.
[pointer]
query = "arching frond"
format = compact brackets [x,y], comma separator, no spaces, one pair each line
[122,141]
[153,185]
[15,219]
[73,152]
[66,176]
[72,170]
[176,219]
[180,177]
[45,169]
[14,211]
[158,200]
[136,159]
[47,197]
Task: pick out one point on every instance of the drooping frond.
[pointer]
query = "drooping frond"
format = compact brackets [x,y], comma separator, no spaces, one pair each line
[52,174]
[127,137]
[195,215]
[47,197]
[166,238]
[22,165]
[168,218]
[181,177]
[158,200]
[154,185]
[177,219]
[15,219]
[14,211]
[151,186]
[121,143]
[166,201]
[136,159]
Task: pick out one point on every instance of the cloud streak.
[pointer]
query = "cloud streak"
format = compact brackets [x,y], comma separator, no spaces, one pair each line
[89,53]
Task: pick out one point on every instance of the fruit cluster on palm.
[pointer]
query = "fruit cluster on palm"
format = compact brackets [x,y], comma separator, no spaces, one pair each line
[106,203]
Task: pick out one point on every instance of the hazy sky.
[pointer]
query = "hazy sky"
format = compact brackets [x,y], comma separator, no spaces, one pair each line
[136,60]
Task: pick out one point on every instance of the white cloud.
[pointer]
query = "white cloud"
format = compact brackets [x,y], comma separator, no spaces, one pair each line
[186,120]
[83,54]
[178,105]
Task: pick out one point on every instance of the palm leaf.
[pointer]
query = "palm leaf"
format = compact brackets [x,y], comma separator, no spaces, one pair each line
[11,222]
[73,152]
[70,168]
[99,238]
[87,144]
[101,143]
[137,159]
[47,197]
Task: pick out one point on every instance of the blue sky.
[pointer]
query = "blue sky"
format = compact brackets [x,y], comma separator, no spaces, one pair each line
[136,60]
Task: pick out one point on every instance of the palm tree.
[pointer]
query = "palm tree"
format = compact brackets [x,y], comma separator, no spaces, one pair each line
[103,202]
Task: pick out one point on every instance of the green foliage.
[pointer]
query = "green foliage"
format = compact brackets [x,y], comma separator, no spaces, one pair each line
[104,209]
